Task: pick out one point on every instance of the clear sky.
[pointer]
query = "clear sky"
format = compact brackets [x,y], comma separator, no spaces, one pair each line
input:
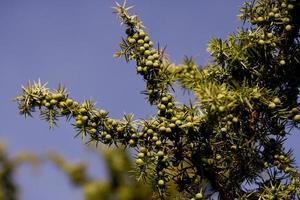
[72,42]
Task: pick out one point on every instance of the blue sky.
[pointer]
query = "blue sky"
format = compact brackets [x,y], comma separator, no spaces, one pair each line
[72,42]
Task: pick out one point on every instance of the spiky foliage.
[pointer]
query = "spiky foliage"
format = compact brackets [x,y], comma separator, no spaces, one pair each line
[230,141]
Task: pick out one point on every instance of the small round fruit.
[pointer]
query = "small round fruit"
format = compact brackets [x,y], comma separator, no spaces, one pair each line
[146,39]
[260,19]
[277,100]
[168,130]
[93,131]
[154,138]
[282,62]
[272,105]
[53,101]
[78,123]
[131,40]
[143,150]
[271,14]
[221,108]
[158,143]
[295,110]
[290,6]
[139,162]
[135,36]
[142,34]
[147,53]
[218,157]
[62,104]
[269,35]
[140,41]
[150,131]
[131,142]
[297,118]
[85,118]
[165,99]
[172,125]
[141,155]
[199,196]
[275,10]
[139,69]
[288,27]
[82,110]
[160,153]
[161,182]
[235,119]
[108,137]
[261,42]
[162,129]
[141,49]
[224,129]
[162,107]
[149,63]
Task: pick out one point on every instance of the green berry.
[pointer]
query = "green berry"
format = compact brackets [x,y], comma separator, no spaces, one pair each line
[162,129]
[47,104]
[162,107]
[282,62]
[135,36]
[147,46]
[147,53]
[161,182]
[85,118]
[277,100]
[149,63]
[139,69]
[142,34]
[108,137]
[131,142]
[261,42]
[53,101]
[260,19]
[224,129]
[235,120]
[78,122]
[269,35]
[288,27]
[198,196]
[139,162]
[168,130]
[221,108]
[271,14]
[290,6]
[146,39]
[272,105]
[93,130]
[165,99]
[160,153]
[140,41]
[131,40]
[297,118]
[275,10]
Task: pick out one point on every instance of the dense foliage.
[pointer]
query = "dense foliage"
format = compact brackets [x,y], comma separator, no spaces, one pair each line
[229,142]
